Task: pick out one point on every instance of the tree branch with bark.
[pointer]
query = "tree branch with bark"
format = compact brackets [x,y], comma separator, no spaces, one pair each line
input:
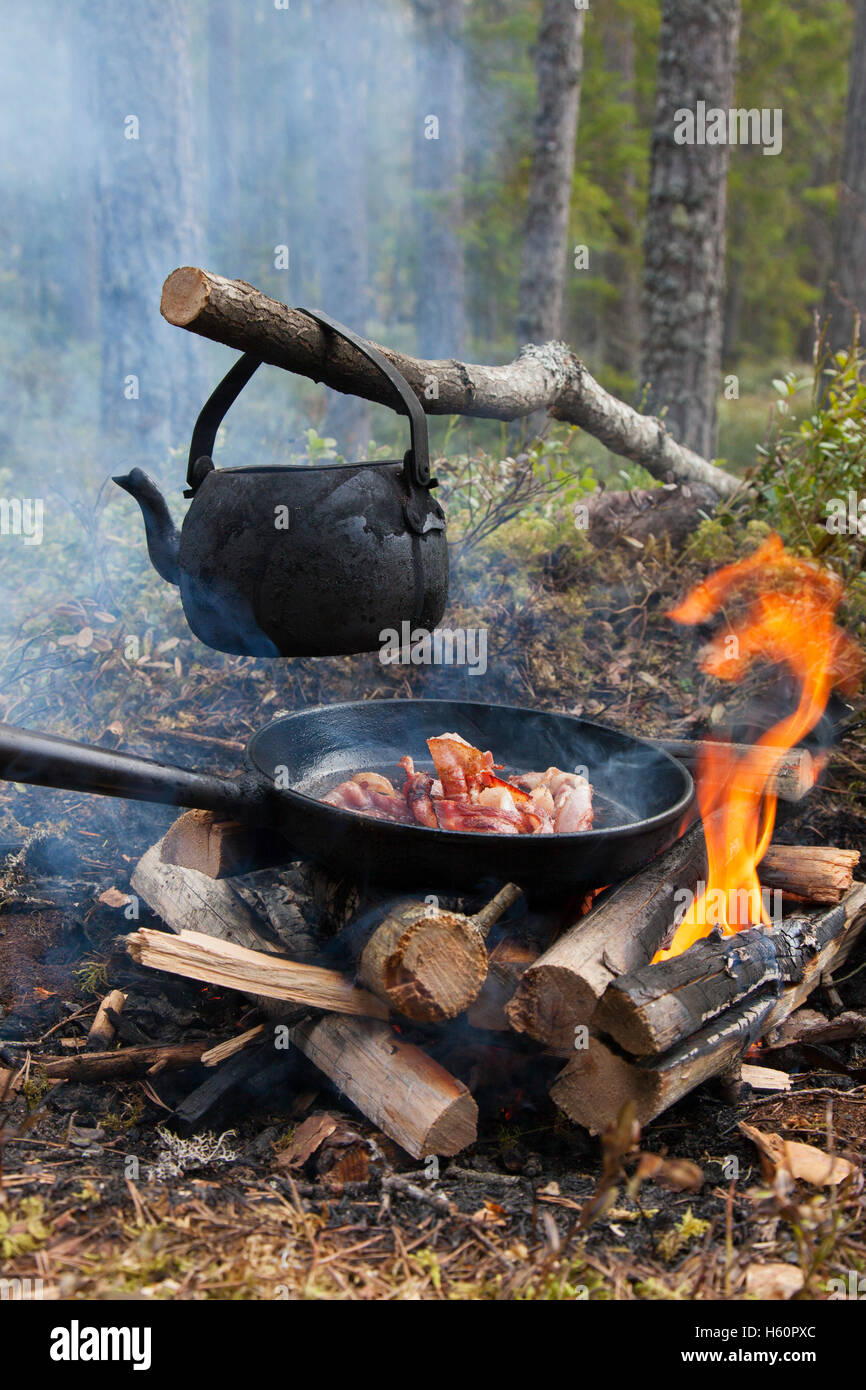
[548,376]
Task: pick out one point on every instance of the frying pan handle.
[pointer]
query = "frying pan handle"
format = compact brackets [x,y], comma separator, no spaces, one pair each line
[45,760]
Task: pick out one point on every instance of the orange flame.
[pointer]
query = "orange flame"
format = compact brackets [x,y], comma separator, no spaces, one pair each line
[789,622]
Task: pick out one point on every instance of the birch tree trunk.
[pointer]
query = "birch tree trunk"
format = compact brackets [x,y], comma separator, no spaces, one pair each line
[846,294]
[440,281]
[558,63]
[684,246]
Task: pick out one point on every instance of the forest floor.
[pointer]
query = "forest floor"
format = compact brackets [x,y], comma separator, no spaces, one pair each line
[525,1213]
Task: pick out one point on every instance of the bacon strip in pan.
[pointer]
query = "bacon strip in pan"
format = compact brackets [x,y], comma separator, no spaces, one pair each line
[466,795]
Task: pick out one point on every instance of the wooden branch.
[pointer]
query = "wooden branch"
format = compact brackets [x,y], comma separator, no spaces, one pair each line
[598,1081]
[809,1026]
[562,989]
[197,956]
[252,1075]
[815,873]
[226,1049]
[657,1006]
[787,775]
[220,848]
[396,1085]
[102,1029]
[125,1061]
[548,377]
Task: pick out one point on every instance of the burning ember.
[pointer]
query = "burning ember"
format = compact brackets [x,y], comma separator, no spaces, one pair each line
[790,621]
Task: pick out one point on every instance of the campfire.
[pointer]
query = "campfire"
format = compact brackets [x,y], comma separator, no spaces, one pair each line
[636,955]
[643,990]
[790,622]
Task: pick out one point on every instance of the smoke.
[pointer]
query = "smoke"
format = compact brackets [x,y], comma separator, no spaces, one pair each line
[135,141]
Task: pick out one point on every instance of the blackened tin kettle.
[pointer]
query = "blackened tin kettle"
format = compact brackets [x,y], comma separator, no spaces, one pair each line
[301,560]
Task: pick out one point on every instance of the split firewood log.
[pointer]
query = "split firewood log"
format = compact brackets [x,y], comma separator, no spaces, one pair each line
[561,990]
[813,873]
[600,1078]
[656,1006]
[411,1098]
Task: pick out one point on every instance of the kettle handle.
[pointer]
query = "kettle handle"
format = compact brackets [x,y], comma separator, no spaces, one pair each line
[417,459]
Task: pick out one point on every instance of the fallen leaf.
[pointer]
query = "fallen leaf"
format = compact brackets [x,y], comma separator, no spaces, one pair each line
[774,1280]
[803,1161]
[306,1139]
[84,638]
[491,1214]
[815,1166]
[112,897]
[678,1173]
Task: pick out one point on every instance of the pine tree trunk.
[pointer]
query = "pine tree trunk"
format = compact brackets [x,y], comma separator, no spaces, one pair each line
[147,196]
[619,266]
[223,100]
[846,293]
[438,164]
[558,63]
[340,118]
[684,246]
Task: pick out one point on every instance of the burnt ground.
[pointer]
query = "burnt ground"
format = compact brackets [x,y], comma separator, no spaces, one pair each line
[100,1201]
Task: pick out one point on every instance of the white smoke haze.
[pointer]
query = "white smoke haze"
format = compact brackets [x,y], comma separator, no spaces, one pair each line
[191,134]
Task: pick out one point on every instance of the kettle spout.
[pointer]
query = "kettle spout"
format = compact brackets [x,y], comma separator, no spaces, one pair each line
[163,539]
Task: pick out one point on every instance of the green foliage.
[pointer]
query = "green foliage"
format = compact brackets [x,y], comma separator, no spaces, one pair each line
[320,450]
[814,464]
[92,977]
[793,56]
[483,492]
[24,1228]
